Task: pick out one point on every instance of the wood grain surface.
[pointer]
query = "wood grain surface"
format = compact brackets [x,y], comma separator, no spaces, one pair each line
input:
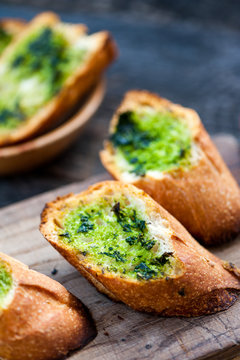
[122,332]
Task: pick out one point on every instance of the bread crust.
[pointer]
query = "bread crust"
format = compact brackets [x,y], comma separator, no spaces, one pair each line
[204,198]
[43,320]
[204,285]
[12,26]
[76,86]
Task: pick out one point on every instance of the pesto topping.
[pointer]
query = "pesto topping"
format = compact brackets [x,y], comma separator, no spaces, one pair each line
[6,282]
[35,73]
[5,39]
[115,235]
[150,140]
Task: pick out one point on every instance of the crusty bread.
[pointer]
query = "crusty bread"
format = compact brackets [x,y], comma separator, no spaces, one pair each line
[102,52]
[42,320]
[9,28]
[12,26]
[205,198]
[200,283]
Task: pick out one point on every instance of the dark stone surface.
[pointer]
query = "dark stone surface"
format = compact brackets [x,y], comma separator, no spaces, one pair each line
[188,59]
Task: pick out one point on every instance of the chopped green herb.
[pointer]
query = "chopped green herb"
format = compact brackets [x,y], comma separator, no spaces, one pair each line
[182,153]
[115,254]
[85,225]
[147,244]
[116,209]
[84,253]
[115,235]
[84,218]
[144,272]
[12,117]
[34,73]
[126,133]
[66,234]
[131,240]
[127,227]
[5,39]
[163,259]
[133,160]
[141,224]
[54,271]
[139,170]
[151,140]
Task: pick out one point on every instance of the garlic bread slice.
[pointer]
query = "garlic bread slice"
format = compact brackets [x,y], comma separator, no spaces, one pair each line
[134,251]
[39,318]
[45,72]
[164,149]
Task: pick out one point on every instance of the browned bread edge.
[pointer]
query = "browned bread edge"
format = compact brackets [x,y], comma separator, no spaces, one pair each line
[43,321]
[76,86]
[13,26]
[206,284]
[205,199]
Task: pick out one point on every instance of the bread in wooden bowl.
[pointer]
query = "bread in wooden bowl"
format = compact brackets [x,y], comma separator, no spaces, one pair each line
[39,318]
[45,71]
[134,251]
[164,149]
[9,28]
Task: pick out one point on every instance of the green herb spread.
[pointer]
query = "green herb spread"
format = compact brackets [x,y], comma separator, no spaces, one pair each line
[5,39]
[5,282]
[114,235]
[150,140]
[34,74]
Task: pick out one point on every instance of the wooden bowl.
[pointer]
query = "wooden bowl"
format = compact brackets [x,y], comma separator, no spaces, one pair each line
[32,153]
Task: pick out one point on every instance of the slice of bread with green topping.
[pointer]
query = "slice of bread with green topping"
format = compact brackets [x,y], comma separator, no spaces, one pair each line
[134,251]
[44,73]
[9,28]
[39,318]
[164,149]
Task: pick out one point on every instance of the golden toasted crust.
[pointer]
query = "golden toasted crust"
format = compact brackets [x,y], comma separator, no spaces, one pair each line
[43,320]
[12,26]
[206,198]
[76,86]
[204,285]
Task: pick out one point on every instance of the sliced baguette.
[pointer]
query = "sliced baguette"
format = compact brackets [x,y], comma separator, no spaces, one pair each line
[101,52]
[205,198]
[40,319]
[199,283]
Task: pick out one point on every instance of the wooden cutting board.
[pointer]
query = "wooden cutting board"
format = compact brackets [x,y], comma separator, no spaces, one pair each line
[122,332]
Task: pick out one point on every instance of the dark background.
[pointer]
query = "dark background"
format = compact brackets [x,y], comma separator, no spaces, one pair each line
[185,50]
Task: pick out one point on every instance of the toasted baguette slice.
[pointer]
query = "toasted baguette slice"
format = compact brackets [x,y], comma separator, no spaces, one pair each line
[37,104]
[134,251]
[9,28]
[39,318]
[203,196]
